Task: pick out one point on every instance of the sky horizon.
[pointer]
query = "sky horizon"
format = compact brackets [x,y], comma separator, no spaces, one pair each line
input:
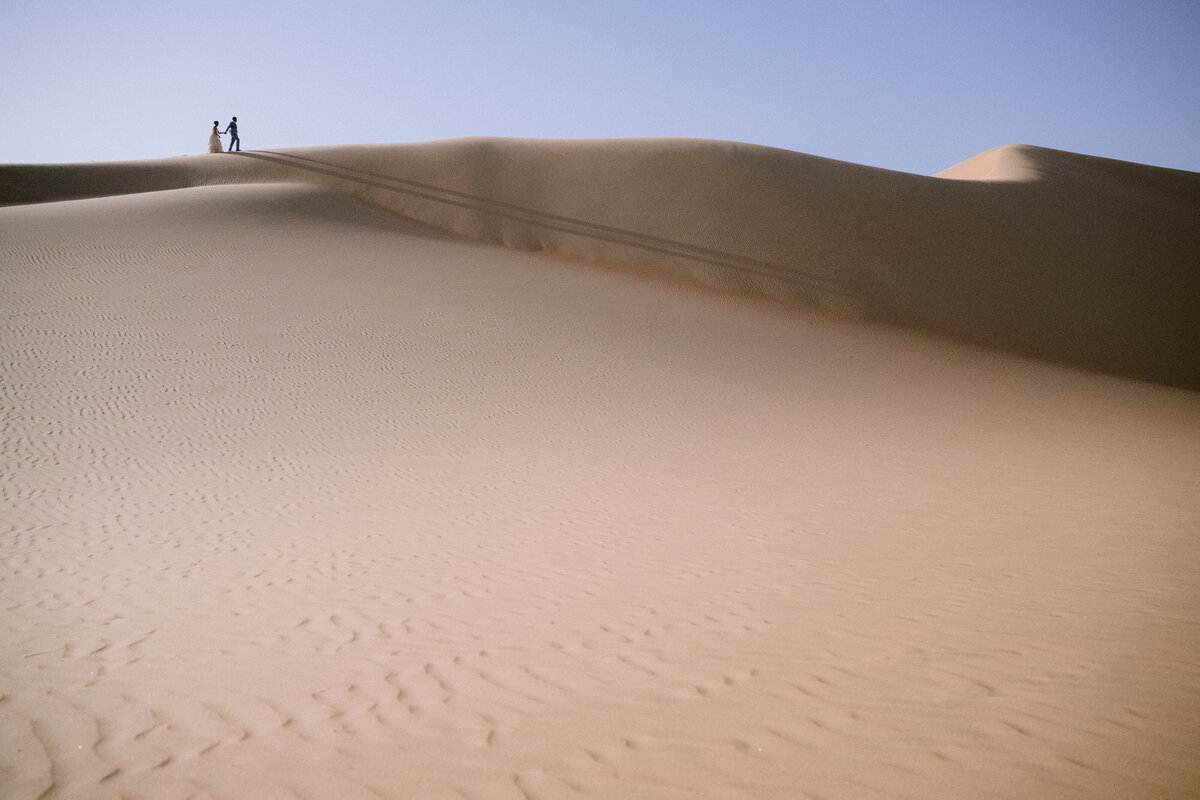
[915,87]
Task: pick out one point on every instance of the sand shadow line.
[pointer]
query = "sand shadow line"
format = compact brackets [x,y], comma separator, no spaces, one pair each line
[544,219]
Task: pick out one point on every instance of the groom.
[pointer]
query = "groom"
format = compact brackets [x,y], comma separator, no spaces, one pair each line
[233,137]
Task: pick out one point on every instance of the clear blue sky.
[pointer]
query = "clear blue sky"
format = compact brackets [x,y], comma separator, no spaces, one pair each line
[914,86]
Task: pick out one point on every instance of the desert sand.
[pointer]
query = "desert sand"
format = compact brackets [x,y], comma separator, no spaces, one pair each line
[616,469]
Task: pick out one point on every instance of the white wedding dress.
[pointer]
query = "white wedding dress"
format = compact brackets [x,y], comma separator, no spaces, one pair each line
[214,142]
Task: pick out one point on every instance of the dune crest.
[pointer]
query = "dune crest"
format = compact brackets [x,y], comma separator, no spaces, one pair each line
[1010,162]
[1078,259]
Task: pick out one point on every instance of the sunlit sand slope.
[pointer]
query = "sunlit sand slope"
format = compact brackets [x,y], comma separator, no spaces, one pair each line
[1073,258]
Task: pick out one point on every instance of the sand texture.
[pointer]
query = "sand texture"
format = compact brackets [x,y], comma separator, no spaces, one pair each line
[706,486]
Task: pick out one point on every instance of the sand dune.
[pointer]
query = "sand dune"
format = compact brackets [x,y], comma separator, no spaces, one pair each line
[303,497]
[1077,259]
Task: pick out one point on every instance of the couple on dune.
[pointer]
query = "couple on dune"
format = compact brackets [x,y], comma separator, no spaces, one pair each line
[214,141]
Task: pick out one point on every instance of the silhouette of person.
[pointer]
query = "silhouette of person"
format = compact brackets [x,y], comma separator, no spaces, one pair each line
[233,135]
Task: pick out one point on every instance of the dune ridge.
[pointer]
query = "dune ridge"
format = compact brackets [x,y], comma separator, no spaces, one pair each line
[1078,259]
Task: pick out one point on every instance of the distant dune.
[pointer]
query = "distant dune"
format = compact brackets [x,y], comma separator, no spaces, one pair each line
[1078,259]
[701,487]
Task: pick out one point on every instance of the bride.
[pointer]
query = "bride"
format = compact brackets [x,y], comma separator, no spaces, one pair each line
[214,141]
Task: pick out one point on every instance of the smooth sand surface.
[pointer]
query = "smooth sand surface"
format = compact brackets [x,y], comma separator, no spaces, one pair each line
[302,498]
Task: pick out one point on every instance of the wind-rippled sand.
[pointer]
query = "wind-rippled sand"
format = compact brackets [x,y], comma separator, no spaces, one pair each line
[305,500]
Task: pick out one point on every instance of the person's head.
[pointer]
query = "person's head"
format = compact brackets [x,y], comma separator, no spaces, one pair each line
[215,122]
[235,119]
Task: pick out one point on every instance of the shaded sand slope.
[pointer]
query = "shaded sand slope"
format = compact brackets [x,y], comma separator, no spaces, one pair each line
[302,500]
[1078,259]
